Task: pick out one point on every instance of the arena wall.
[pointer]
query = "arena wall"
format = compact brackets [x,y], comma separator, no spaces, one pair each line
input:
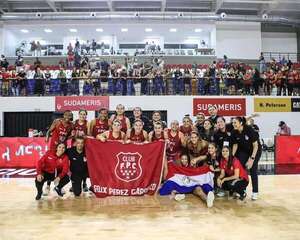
[176,107]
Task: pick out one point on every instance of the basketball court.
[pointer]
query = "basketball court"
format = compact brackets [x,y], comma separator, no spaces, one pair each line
[276,215]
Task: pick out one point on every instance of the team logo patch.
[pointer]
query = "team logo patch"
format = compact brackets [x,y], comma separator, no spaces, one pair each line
[128,167]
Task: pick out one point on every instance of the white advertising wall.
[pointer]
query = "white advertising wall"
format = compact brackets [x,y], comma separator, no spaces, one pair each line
[238,40]
[176,107]
[279,42]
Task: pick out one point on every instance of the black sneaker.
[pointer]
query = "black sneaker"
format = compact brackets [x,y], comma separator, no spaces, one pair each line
[58,191]
[243,196]
[38,196]
[85,187]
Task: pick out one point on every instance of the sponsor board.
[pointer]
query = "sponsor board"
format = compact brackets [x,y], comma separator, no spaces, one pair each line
[89,103]
[272,104]
[225,106]
[295,104]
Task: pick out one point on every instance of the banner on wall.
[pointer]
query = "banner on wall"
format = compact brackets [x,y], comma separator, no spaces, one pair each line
[287,154]
[295,104]
[89,103]
[225,106]
[21,152]
[272,104]
[117,169]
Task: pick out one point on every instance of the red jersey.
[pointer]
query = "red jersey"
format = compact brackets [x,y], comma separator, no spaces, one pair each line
[50,163]
[123,123]
[138,138]
[112,138]
[186,131]
[60,134]
[173,147]
[100,127]
[158,138]
[80,129]
[236,164]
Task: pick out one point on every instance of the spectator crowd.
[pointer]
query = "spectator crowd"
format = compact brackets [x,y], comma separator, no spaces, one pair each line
[84,76]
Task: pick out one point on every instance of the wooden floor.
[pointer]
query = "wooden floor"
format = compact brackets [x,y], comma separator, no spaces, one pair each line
[275,216]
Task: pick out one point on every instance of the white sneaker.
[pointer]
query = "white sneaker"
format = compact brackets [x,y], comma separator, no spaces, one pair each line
[46,191]
[210,199]
[254,196]
[179,197]
[221,194]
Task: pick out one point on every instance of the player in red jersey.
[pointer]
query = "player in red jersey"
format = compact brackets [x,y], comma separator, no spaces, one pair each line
[60,130]
[175,140]
[197,149]
[157,134]
[125,122]
[80,127]
[187,127]
[113,135]
[100,124]
[137,134]
[53,166]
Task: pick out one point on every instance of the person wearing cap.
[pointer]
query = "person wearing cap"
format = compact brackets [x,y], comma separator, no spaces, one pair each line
[283,129]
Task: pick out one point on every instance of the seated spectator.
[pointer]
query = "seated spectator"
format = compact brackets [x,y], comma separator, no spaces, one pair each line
[283,129]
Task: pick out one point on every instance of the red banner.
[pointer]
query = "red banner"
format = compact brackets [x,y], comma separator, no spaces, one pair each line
[117,169]
[21,152]
[89,103]
[287,155]
[225,106]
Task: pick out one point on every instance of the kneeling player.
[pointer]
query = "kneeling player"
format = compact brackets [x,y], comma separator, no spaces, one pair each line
[78,165]
[52,167]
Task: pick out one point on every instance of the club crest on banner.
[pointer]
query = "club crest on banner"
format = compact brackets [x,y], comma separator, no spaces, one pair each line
[128,167]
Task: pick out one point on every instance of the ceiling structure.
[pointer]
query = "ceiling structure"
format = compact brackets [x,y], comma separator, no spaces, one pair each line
[286,10]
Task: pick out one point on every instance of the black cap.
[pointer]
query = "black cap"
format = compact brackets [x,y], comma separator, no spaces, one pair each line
[281,123]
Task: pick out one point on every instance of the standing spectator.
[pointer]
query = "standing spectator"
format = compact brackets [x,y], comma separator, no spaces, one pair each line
[178,84]
[63,82]
[75,81]
[257,81]
[70,48]
[248,82]
[5,82]
[158,84]
[19,63]
[262,63]
[96,81]
[33,48]
[38,49]
[3,62]
[39,82]
[22,81]
[94,46]
[88,47]
[15,83]
[187,78]
[47,81]
[283,129]
[37,63]
[77,47]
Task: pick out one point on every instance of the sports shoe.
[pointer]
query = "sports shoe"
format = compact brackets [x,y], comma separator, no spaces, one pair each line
[254,196]
[243,196]
[58,191]
[46,190]
[38,196]
[210,199]
[221,193]
[85,187]
[179,197]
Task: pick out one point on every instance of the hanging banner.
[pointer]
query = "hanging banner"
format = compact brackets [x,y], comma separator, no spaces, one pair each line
[21,152]
[287,154]
[117,169]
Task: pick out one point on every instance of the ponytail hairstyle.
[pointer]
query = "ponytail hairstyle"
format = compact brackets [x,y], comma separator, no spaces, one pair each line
[242,120]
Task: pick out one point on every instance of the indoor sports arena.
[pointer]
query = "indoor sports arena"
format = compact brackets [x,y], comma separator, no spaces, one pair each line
[149,119]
